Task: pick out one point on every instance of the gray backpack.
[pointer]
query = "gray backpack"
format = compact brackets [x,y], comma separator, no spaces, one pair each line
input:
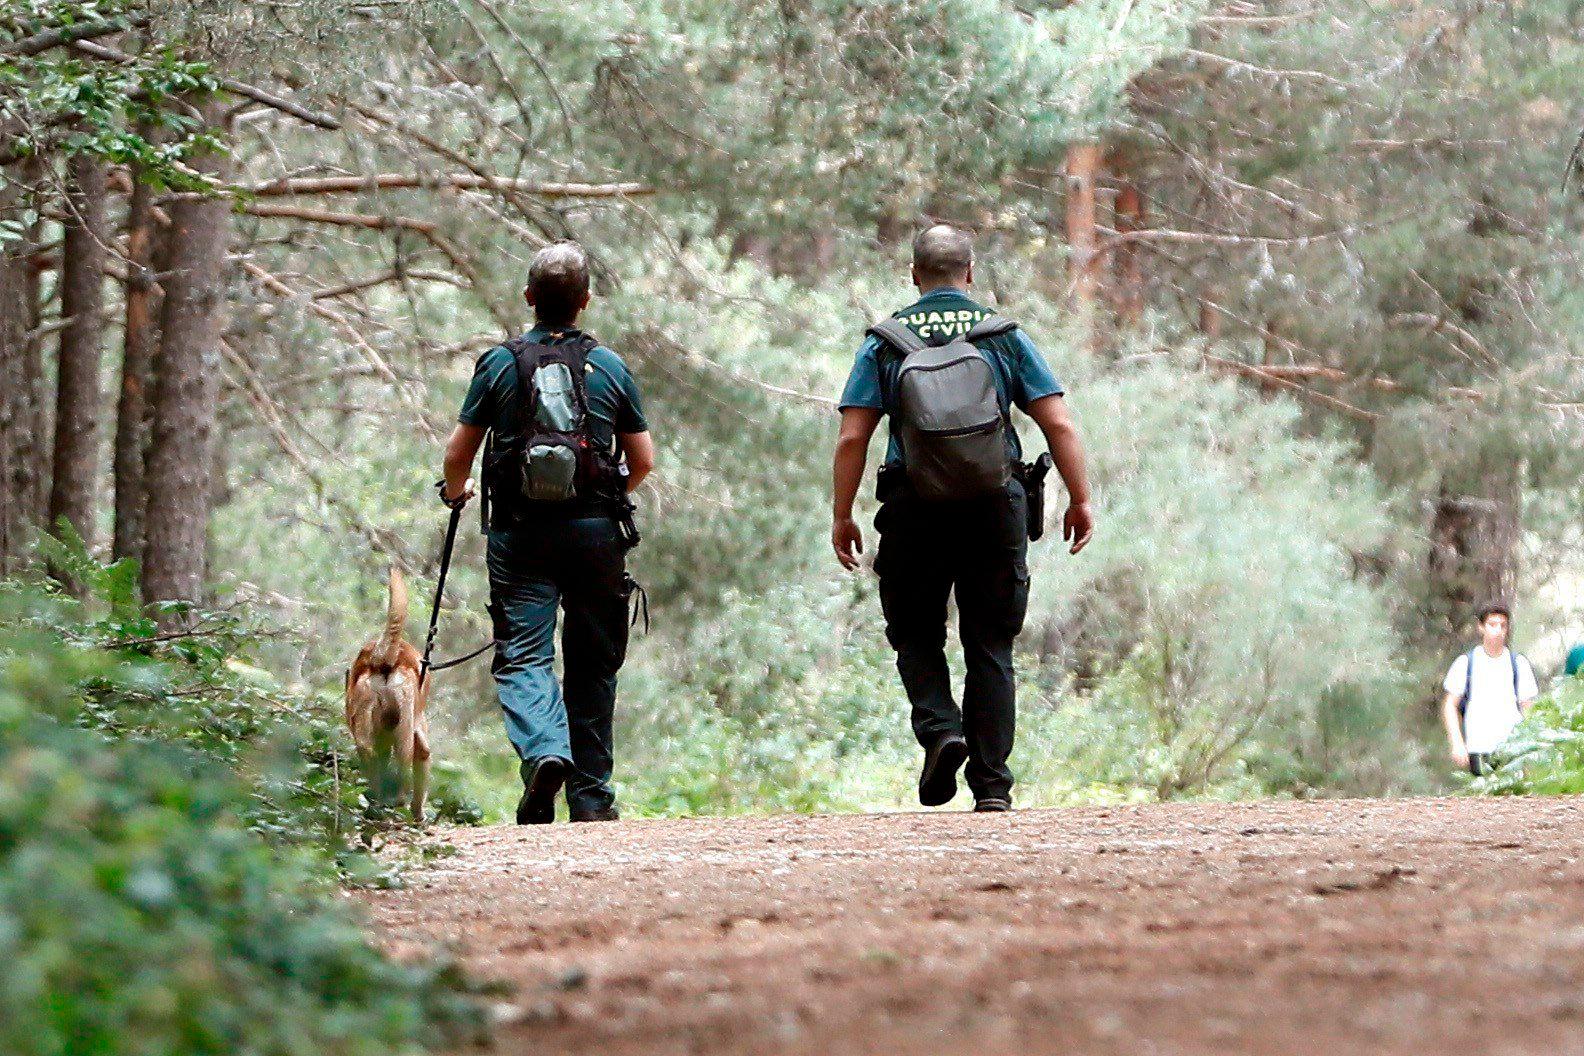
[947,412]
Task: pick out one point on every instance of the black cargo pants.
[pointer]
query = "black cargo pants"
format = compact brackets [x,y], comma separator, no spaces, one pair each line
[979,549]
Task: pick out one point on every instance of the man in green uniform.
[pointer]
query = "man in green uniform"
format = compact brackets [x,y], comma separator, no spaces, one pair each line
[567,553]
[976,547]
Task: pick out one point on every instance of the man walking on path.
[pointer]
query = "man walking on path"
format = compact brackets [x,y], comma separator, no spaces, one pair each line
[567,442]
[1488,690]
[957,506]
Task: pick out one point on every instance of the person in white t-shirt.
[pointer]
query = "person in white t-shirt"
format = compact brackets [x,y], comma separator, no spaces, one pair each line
[1488,689]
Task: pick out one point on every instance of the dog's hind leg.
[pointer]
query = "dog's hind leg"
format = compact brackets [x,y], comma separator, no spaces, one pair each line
[421,761]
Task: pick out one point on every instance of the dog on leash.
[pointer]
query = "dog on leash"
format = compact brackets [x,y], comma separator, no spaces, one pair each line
[385,701]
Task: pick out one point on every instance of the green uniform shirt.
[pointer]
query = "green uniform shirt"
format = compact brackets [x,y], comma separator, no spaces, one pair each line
[494,399]
[1021,374]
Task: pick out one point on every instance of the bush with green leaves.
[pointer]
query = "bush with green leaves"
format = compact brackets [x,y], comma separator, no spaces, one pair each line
[1545,754]
[140,911]
[196,687]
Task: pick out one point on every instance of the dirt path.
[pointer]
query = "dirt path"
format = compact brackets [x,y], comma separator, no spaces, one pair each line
[1337,927]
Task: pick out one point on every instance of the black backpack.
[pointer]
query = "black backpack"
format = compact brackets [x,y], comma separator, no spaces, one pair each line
[948,411]
[552,461]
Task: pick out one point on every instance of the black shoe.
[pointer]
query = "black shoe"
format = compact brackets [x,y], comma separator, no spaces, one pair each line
[992,805]
[542,779]
[938,779]
[602,814]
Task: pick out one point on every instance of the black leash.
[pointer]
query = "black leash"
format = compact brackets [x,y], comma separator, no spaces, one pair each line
[434,614]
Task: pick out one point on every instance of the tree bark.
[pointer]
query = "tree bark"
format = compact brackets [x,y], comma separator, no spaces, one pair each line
[1129,269]
[186,387]
[1083,243]
[15,410]
[1083,170]
[139,342]
[78,393]
[1474,541]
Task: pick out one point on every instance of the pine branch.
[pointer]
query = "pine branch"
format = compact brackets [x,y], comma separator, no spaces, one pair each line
[313,185]
[62,36]
[246,91]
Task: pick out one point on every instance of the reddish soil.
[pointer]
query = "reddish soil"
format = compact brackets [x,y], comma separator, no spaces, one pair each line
[1329,927]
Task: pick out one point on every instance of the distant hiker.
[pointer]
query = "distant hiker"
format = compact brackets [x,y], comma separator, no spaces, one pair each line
[1574,662]
[567,442]
[1488,689]
[958,507]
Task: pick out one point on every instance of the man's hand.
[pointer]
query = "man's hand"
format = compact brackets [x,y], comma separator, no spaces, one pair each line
[1078,526]
[847,540]
[462,497]
[1460,757]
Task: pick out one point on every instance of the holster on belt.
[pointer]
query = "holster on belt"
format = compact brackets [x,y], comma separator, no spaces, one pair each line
[1033,474]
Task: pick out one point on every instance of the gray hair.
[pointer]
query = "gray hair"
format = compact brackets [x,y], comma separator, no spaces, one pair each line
[942,252]
[558,280]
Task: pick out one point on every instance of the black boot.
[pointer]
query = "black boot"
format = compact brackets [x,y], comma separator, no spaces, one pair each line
[542,779]
[938,779]
[602,814]
[992,805]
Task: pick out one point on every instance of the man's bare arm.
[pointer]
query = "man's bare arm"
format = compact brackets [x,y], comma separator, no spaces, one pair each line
[1454,729]
[460,451]
[639,450]
[858,425]
[1066,448]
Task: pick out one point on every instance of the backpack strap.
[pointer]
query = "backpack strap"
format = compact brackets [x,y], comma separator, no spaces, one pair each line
[1468,682]
[898,335]
[990,326]
[1513,656]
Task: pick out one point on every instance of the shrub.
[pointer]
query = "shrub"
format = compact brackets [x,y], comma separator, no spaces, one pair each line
[1545,754]
[140,911]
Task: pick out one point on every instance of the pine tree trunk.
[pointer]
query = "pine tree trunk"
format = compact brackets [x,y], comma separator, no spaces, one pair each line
[78,394]
[1083,244]
[139,340]
[1083,170]
[186,386]
[15,412]
[1128,267]
[1474,543]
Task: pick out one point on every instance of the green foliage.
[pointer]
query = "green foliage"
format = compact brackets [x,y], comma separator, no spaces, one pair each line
[140,912]
[196,687]
[1545,754]
[58,100]
[1222,605]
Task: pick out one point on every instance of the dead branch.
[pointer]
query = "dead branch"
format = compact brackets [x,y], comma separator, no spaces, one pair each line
[429,230]
[359,285]
[257,394]
[453,181]
[275,285]
[1266,377]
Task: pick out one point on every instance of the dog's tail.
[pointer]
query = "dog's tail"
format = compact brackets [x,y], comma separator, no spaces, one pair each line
[388,649]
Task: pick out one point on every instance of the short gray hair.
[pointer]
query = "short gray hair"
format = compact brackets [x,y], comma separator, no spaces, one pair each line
[942,252]
[558,280]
